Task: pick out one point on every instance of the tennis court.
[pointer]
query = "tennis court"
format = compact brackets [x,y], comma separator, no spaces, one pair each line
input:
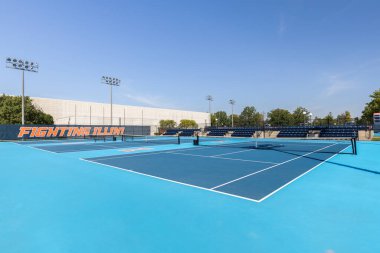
[237,168]
[252,169]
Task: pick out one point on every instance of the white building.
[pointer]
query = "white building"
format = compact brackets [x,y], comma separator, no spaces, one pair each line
[89,113]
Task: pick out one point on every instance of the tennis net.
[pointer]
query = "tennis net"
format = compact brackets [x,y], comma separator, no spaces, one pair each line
[151,139]
[102,137]
[343,146]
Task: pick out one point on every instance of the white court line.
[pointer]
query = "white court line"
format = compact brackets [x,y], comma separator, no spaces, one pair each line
[127,156]
[172,181]
[139,154]
[40,148]
[273,192]
[223,158]
[101,145]
[271,167]
[36,148]
[230,153]
[77,150]
[69,143]
[287,142]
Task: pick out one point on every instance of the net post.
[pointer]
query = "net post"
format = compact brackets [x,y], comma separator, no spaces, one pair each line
[196,141]
[353,145]
[178,139]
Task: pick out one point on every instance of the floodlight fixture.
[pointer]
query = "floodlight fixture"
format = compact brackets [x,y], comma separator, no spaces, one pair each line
[111,81]
[23,65]
[20,64]
[210,99]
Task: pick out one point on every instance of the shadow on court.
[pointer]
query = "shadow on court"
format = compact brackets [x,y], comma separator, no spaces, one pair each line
[330,162]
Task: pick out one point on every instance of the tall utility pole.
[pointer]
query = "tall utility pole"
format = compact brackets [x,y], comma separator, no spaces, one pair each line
[210,99]
[304,117]
[23,66]
[232,102]
[111,81]
[310,121]
[264,123]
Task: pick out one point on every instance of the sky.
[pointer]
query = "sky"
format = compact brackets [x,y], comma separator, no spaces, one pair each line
[320,54]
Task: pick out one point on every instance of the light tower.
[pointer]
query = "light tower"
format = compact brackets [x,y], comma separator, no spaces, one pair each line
[111,81]
[304,115]
[23,66]
[232,103]
[209,98]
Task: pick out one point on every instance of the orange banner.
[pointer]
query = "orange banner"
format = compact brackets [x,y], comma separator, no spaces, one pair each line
[63,131]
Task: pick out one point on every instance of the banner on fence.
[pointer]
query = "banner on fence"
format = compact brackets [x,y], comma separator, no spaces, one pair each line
[12,132]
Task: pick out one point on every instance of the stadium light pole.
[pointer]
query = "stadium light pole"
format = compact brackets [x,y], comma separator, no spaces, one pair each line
[210,99]
[22,65]
[310,115]
[111,81]
[232,103]
[304,120]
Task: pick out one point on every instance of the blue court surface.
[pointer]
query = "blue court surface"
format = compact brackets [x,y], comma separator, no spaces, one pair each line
[225,195]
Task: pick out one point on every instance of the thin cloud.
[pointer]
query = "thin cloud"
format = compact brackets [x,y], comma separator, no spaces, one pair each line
[281,27]
[337,85]
[365,66]
[145,100]
[141,98]
[344,81]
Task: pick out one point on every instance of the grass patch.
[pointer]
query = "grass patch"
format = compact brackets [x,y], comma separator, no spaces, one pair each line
[376,138]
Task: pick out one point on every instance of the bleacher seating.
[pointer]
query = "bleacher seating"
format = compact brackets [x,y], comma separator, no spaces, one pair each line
[339,132]
[293,132]
[290,131]
[243,132]
[181,132]
[171,132]
[218,132]
[187,132]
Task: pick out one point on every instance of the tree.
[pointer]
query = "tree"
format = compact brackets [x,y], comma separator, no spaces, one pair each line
[280,117]
[300,116]
[220,119]
[371,107]
[188,123]
[344,118]
[329,119]
[236,120]
[250,117]
[359,121]
[10,111]
[167,123]
[318,121]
